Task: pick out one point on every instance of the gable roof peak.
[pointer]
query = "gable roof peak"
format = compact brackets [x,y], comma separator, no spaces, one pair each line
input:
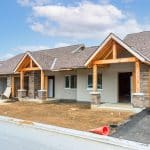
[28,52]
[120,42]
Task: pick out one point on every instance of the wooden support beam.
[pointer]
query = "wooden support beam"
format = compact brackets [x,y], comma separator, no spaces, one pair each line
[30,69]
[114,48]
[46,84]
[133,81]
[95,78]
[42,80]
[137,77]
[12,86]
[110,52]
[31,63]
[111,61]
[22,80]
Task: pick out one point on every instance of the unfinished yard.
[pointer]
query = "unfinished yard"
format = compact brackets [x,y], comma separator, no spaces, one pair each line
[70,115]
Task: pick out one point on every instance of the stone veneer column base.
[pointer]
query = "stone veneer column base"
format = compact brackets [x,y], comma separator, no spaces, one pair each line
[42,94]
[22,93]
[95,99]
[138,100]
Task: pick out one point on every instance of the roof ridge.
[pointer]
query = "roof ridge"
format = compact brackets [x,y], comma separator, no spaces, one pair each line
[54,48]
[92,46]
[137,33]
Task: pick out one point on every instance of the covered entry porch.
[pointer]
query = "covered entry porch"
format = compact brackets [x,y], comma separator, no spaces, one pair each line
[32,82]
[126,86]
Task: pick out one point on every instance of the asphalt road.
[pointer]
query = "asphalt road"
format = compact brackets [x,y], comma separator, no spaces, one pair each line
[22,137]
[15,136]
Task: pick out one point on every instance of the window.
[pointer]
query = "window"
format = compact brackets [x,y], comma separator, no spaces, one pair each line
[90,80]
[71,81]
[67,81]
[99,81]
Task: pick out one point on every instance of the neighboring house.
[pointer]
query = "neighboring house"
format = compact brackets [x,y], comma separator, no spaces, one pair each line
[116,71]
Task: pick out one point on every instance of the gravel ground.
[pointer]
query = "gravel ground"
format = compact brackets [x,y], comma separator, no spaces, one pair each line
[137,129]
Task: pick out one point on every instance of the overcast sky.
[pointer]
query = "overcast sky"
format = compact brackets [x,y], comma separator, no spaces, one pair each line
[40,24]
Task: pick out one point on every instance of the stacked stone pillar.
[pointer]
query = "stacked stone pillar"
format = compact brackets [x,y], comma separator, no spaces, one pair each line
[42,93]
[22,92]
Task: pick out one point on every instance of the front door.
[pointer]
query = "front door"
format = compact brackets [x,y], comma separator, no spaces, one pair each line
[124,88]
[51,86]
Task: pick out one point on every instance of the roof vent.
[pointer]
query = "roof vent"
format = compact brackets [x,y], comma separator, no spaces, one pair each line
[79,49]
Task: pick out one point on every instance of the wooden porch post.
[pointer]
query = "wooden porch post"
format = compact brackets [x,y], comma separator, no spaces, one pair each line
[42,80]
[95,78]
[114,47]
[31,63]
[137,76]
[46,84]
[21,80]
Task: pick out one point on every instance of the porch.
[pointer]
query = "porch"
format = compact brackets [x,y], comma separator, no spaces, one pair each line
[30,82]
[129,90]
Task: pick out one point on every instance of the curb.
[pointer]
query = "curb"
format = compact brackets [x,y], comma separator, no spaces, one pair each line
[79,134]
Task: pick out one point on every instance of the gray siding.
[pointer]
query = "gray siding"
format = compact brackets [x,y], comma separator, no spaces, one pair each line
[3,84]
[109,92]
[60,91]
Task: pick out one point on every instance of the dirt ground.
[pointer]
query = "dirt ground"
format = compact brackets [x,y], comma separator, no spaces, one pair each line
[70,115]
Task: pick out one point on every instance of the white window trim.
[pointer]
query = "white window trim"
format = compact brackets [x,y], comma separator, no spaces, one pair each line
[69,88]
[69,82]
[90,89]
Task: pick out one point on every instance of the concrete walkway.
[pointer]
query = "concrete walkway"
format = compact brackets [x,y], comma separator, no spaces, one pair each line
[119,107]
[137,129]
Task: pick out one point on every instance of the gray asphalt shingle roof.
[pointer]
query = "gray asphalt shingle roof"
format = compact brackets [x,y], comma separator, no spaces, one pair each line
[139,42]
[75,56]
[8,66]
[67,57]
